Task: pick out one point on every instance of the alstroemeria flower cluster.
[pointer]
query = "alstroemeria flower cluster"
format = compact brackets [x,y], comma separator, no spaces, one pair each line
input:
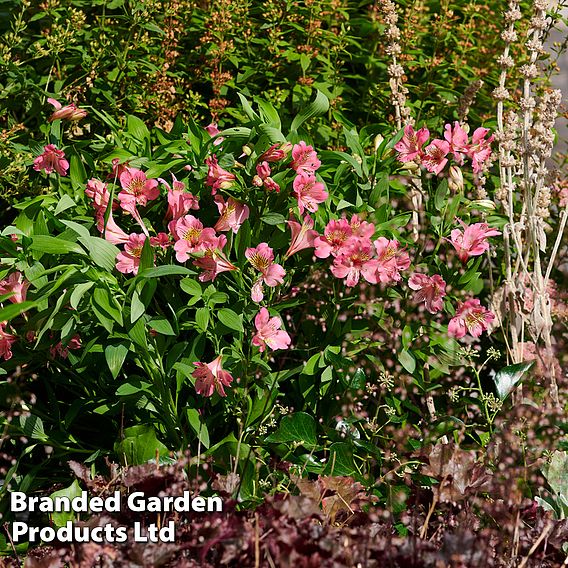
[307,189]
[52,160]
[434,156]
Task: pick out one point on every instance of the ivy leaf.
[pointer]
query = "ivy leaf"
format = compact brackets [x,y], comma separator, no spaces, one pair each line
[298,427]
[507,378]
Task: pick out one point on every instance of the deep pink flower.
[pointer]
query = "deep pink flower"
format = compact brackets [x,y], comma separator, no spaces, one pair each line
[263,170]
[470,317]
[303,235]
[434,156]
[304,159]
[51,160]
[272,274]
[428,289]
[262,177]
[118,168]
[15,284]
[410,146]
[191,237]
[472,241]
[457,139]
[356,260]
[276,152]
[480,149]
[268,332]
[6,342]
[160,240]
[69,112]
[112,232]
[137,189]
[63,352]
[361,228]
[180,202]
[211,377]
[390,260]
[309,192]
[128,261]
[213,131]
[336,235]
[99,193]
[233,214]
[213,262]
[217,177]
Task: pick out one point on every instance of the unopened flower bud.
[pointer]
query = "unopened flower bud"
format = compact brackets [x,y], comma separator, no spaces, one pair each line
[455,179]
[378,141]
[247,150]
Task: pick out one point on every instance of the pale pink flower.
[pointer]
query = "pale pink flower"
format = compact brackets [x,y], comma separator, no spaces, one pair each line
[233,214]
[68,112]
[257,291]
[480,148]
[309,192]
[128,261]
[262,258]
[137,189]
[211,377]
[472,241]
[336,235]
[471,317]
[434,156]
[16,285]
[180,202]
[262,177]
[390,260]
[51,160]
[217,177]
[276,152]
[63,352]
[6,342]
[268,332]
[303,235]
[361,228]
[99,193]
[191,237]
[410,146]
[428,289]
[457,139]
[111,232]
[213,131]
[356,260]
[304,159]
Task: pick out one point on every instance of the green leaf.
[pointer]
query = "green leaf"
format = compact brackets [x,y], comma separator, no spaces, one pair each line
[14,310]
[231,319]
[440,195]
[507,378]
[318,107]
[115,356]
[298,427]
[105,301]
[137,128]
[407,360]
[199,427]
[162,325]
[273,219]
[202,319]
[64,203]
[191,287]
[140,445]
[74,490]
[102,252]
[79,292]
[556,473]
[137,308]
[54,245]
[32,426]
[166,270]
[147,256]
[340,461]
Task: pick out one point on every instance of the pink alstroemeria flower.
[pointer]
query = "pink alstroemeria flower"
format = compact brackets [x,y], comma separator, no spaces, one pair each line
[309,192]
[59,350]
[6,342]
[390,260]
[268,332]
[213,262]
[356,260]
[180,202]
[211,377]
[304,159]
[361,228]
[233,214]
[118,168]
[15,284]
[303,235]
[112,232]
[457,139]
[434,156]
[276,152]
[428,289]
[161,240]
[128,261]
[472,241]
[262,177]
[480,149]
[410,146]
[52,160]
[99,193]
[217,177]
[336,235]
[68,112]
[213,131]
[272,274]
[470,317]
[191,237]
[137,189]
